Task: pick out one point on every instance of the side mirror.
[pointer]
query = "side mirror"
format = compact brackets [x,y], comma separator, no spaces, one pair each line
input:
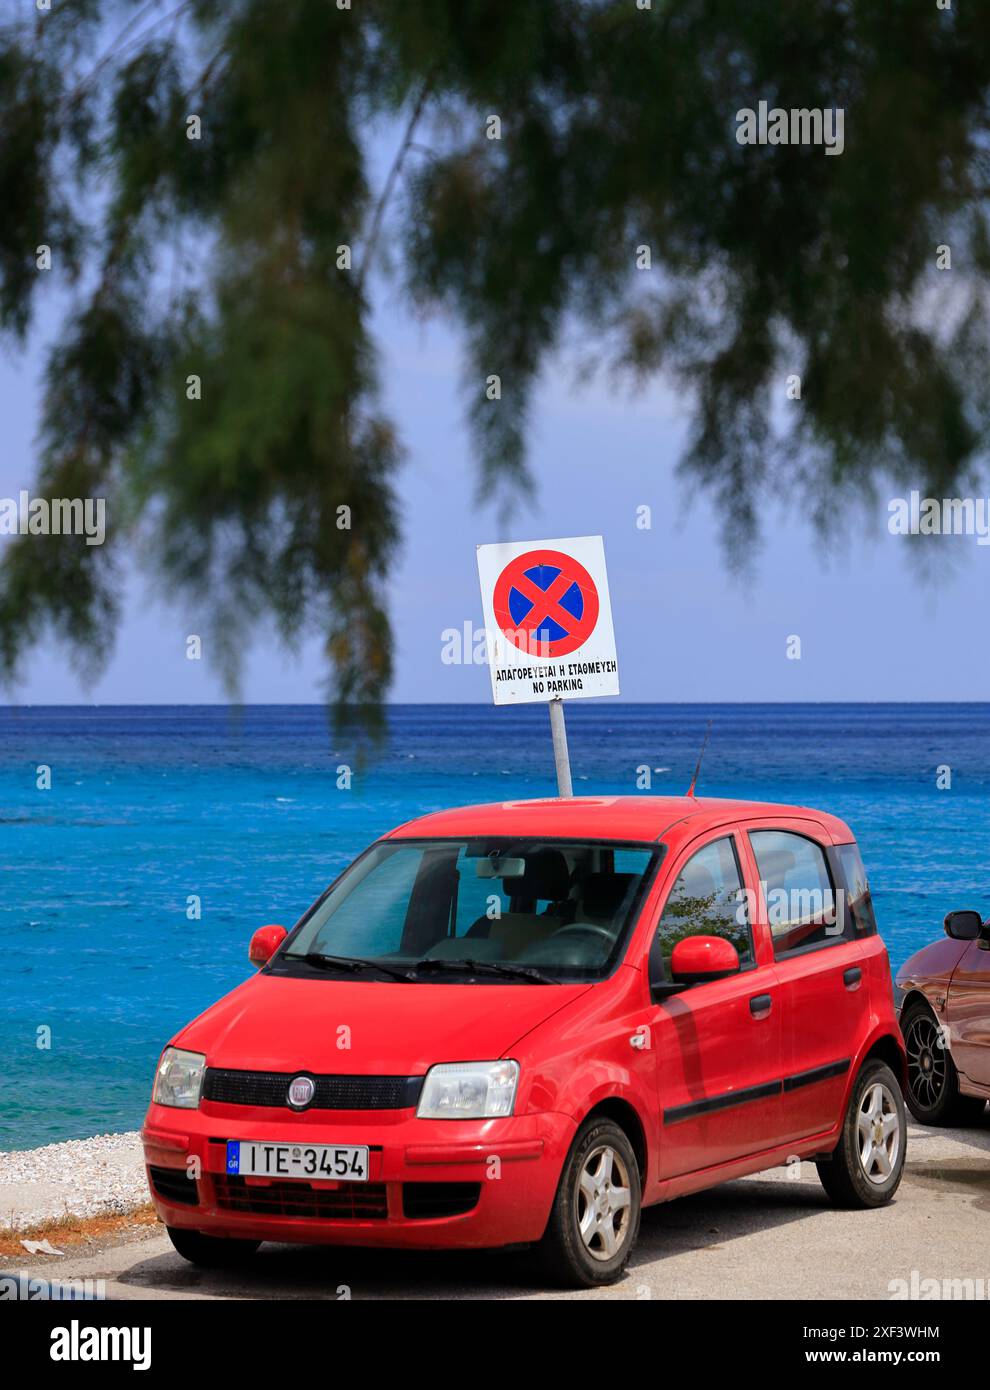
[964,926]
[698,959]
[265,943]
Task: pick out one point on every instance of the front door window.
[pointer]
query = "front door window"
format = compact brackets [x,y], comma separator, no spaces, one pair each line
[708,899]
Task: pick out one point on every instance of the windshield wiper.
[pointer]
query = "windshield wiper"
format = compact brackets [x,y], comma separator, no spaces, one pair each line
[354,964]
[358,965]
[487,967]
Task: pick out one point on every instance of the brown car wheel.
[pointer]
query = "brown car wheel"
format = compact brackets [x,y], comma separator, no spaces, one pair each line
[933,1094]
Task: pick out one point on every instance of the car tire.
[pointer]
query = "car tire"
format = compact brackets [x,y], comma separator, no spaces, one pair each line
[210,1252]
[933,1094]
[867,1164]
[594,1220]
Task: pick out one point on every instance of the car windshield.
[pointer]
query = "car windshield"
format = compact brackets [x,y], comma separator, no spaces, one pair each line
[448,910]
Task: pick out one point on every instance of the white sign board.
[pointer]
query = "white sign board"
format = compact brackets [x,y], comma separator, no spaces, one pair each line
[548,620]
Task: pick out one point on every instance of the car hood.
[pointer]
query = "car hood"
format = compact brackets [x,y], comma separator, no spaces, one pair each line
[936,961]
[368,1028]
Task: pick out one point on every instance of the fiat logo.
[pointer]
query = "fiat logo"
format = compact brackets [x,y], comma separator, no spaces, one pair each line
[301,1091]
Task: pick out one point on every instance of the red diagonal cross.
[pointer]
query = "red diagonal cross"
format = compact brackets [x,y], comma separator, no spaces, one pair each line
[546,603]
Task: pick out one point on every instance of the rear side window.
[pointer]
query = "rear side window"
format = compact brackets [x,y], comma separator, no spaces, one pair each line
[859,903]
[798,890]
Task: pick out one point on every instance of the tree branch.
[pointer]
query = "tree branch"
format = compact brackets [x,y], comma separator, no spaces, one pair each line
[393,174]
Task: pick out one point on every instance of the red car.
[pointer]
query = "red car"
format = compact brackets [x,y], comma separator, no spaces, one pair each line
[945,1018]
[520,1023]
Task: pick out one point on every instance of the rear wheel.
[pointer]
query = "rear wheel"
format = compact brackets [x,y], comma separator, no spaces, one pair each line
[594,1221]
[933,1094]
[210,1252]
[866,1167]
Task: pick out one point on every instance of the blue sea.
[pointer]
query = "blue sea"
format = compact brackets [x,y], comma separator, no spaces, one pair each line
[149,806]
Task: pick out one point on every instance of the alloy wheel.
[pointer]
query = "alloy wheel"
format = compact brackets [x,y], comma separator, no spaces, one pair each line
[603,1202]
[879,1133]
[927,1068]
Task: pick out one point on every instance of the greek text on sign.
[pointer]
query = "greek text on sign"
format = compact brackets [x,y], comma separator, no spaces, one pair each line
[548,620]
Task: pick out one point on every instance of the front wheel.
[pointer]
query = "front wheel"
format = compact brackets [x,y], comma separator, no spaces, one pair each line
[866,1168]
[933,1093]
[594,1221]
[211,1252]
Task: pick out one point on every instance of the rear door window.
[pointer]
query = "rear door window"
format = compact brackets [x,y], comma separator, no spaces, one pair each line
[798,890]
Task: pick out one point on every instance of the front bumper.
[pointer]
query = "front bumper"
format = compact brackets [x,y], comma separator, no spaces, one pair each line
[505,1171]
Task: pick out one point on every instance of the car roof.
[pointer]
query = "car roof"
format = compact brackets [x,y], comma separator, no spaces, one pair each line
[641,818]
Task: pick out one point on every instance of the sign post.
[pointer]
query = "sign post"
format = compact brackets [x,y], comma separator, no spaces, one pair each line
[562,762]
[548,621]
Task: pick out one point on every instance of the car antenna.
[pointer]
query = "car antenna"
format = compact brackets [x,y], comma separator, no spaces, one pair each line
[694,779]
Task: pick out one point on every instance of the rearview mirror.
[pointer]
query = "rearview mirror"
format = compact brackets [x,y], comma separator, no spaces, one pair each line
[500,868]
[265,943]
[964,926]
[697,959]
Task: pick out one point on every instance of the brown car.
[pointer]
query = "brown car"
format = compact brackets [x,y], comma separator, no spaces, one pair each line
[945,1018]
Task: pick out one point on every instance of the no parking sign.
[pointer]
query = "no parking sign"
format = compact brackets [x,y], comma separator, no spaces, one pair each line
[548,620]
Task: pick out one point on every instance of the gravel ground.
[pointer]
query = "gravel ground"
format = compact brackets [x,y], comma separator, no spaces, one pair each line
[81,1177]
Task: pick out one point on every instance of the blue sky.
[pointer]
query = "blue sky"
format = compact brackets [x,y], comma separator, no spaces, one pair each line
[872,626]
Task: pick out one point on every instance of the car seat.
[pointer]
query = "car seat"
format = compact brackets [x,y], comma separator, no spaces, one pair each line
[546,879]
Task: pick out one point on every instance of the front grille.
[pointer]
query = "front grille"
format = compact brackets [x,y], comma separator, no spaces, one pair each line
[351,1201]
[423,1200]
[332,1092]
[174,1185]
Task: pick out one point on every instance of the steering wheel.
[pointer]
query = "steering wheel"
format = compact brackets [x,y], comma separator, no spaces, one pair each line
[586,928]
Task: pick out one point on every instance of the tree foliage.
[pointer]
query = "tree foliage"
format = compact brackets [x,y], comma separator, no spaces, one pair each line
[218,259]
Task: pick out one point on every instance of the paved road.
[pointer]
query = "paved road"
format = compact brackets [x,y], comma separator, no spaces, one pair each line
[766,1237]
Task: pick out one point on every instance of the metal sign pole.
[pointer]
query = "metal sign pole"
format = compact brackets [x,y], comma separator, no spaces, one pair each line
[560,756]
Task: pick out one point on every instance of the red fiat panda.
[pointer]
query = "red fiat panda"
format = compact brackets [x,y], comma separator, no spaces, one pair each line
[520,1023]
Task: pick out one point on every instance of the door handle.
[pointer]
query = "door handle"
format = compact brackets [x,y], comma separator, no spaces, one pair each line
[760,1005]
[852,977]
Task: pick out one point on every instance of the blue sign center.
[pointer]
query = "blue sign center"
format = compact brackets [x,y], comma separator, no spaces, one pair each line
[572,602]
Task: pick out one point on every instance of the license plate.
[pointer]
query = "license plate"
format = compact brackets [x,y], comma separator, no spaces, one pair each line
[326,1162]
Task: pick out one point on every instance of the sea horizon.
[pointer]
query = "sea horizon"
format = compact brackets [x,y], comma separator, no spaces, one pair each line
[599,700]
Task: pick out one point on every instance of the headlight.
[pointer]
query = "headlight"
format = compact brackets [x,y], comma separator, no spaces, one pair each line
[468,1091]
[179,1078]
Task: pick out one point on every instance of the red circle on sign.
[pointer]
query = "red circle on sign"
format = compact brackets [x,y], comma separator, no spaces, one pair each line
[522,626]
